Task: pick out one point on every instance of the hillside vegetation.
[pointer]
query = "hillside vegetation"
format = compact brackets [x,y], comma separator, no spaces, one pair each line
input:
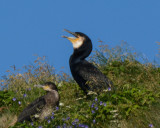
[134,103]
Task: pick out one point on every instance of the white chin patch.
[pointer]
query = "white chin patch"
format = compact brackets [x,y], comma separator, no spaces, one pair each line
[77,44]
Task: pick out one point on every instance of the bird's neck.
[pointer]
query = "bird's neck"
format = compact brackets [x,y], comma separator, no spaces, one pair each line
[53,92]
[79,55]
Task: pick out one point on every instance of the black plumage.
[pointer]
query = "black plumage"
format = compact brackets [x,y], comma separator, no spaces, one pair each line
[42,106]
[88,77]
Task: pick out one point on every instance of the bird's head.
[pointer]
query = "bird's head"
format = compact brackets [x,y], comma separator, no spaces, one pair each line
[81,43]
[48,86]
[79,40]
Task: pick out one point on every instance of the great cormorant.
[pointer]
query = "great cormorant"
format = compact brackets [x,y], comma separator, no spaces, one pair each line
[42,106]
[88,77]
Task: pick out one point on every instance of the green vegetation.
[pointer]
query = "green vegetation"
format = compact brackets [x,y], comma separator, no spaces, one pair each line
[133,103]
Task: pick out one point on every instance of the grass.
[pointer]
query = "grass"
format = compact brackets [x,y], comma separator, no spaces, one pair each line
[134,102]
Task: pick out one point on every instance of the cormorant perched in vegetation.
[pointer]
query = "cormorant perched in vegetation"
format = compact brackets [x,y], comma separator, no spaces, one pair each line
[88,77]
[42,106]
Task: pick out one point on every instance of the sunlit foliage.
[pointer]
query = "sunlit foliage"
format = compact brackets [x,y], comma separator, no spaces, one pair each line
[133,103]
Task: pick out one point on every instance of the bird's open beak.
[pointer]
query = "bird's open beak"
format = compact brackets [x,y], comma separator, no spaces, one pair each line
[72,39]
[73,33]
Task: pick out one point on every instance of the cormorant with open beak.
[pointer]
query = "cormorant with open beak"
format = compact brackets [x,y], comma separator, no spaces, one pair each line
[42,106]
[88,77]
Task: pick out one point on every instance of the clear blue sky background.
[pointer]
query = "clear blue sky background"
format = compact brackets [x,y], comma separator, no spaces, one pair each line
[29,27]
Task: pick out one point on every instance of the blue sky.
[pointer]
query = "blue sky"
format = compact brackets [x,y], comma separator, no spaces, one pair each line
[29,27]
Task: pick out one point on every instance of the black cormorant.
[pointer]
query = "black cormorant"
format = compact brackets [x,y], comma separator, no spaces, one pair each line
[88,77]
[42,106]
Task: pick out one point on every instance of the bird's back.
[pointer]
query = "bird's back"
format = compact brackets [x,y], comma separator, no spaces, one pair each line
[89,77]
[42,106]
[32,109]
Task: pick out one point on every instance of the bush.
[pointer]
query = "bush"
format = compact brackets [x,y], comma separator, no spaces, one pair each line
[132,104]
